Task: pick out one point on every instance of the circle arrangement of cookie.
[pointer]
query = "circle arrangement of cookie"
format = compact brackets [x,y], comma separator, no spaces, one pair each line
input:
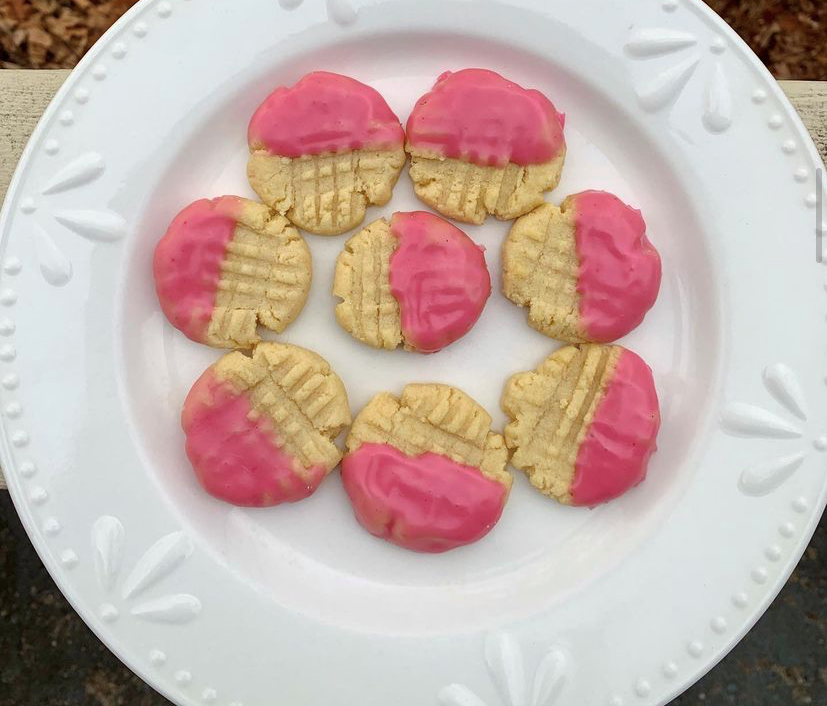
[584,423]
[417,280]
[323,150]
[480,144]
[586,271]
[224,265]
[260,430]
[424,470]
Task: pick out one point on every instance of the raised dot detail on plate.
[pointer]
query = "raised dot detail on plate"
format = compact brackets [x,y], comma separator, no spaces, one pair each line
[801,174]
[776,122]
[140,29]
[81,96]
[19,438]
[11,381]
[759,95]
[108,612]
[51,147]
[8,297]
[811,200]
[718,46]
[718,624]
[157,657]
[7,353]
[183,677]
[759,575]
[787,530]
[6,327]
[773,552]
[99,72]
[643,688]
[789,147]
[51,526]
[670,670]
[164,9]
[695,648]
[68,558]
[28,205]
[670,5]
[615,701]
[820,442]
[119,50]
[39,495]
[27,469]
[209,695]
[13,410]
[235,703]
[800,505]
[67,117]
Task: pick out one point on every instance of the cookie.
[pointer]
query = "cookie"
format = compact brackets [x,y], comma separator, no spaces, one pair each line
[480,144]
[424,470]
[227,264]
[260,430]
[417,280]
[324,149]
[584,423]
[586,271]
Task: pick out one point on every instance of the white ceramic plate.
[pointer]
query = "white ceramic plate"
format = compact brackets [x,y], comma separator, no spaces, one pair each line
[625,604]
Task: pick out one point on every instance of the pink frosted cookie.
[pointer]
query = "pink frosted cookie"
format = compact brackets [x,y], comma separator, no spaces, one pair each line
[418,280]
[425,471]
[224,265]
[260,430]
[324,149]
[584,423]
[481,144]
[586,271]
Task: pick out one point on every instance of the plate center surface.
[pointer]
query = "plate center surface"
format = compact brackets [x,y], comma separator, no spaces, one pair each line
[312,557]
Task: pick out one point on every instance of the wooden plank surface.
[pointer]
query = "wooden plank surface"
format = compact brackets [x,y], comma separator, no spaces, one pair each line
[25,94]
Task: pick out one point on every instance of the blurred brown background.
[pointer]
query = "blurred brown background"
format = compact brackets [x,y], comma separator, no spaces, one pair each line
[788,35]
[49,657]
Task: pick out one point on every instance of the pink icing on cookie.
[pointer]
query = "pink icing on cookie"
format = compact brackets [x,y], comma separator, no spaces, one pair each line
[620,269]
[187,262]
[324,112]
[621,436]
[427,503]
[236,454]
[439,277]
[479,116]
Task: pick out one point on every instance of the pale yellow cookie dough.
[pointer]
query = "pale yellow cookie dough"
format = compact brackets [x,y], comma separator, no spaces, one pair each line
[325,194]
[299,392]
[468,192]
[368,311]
[433,418]
[540,270]
[551,409]
[265,278]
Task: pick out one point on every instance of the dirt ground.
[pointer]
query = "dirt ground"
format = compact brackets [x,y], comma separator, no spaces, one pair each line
[788,35]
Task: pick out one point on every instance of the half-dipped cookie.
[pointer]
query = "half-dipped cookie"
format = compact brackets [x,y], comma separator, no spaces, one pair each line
[323,150]
[424,470]
[260,430]
[584,423]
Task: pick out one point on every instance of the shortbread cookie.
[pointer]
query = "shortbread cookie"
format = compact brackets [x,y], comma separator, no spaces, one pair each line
[227,264]
[584,423]
[418,280]
[323,150]
[586,271]
[260,430]
[425,471]
[481,144]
